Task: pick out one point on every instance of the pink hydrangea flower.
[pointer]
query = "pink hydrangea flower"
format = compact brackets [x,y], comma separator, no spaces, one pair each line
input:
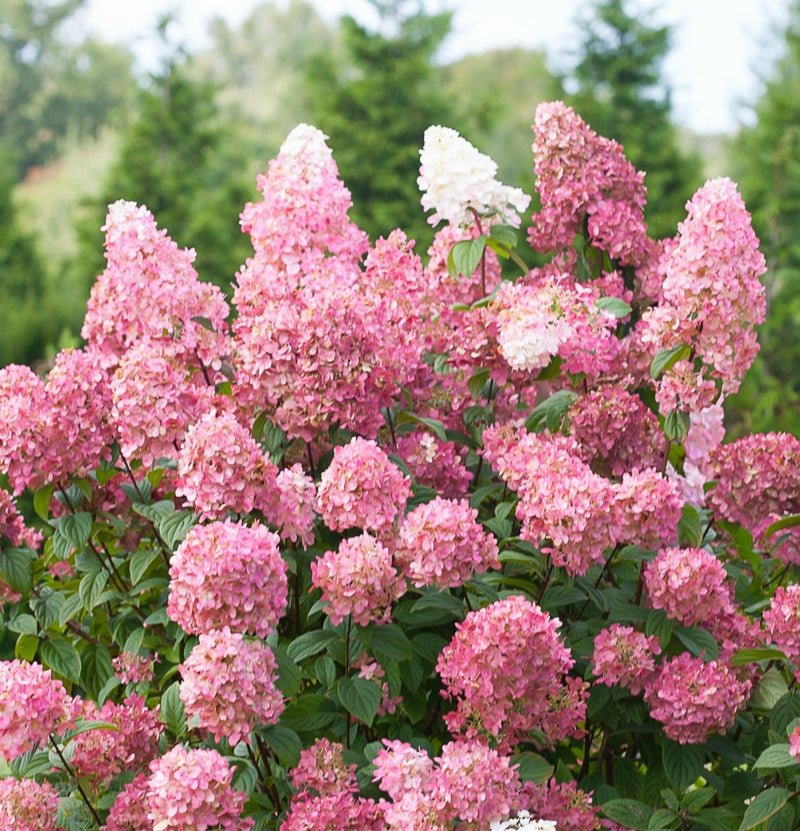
[26,805]
[706,432]
[689,584]
[794,742]
[295,505]
[504,666]
[190,790]
[523,821]
[692,697]
[222,468]
[322,771]
[434,463]
[782,621]
[441,543]
[32,705]
[359,579]
[229,685]
[564,802]
[12,524]
[362,488]
[129,811]
[334,812]
[624,656]
[228,574]
[131,668]
[648,507]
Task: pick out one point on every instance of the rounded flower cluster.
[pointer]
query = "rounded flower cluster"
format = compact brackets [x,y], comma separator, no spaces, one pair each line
[362,488]
[12,524]
[757,484]
[692,697]
[295,505]
[190,790]
[782,621]
[569,806]
[358,579]
[441,543]
[26,805]
[706,432]
[228,574]
[322,771]
[132,668]
[648,507]
[455,177]
[503,666]
[689,584]
[222,468]
[129,811]
[624,656]
[334,812]
[434,463]
[32,705]
[229,685]
[523,821]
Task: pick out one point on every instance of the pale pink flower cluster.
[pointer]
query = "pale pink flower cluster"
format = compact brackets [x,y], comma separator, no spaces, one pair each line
[12,524]
[155,400]
[782,621]
[468,781]
[131,744]
[505,667]
[150,290]
[362,488]
[222,468]
[190,790]
[434,463]
[616,432]
[26,805]
[648,507]
[711,297]
[582,175]
[523,821]
[131,668]
[129,811]
[692,697]
[689,584]
[441,543]
[228,574]
[757,484]
[455,177]
[706,432]
[32,705]
[322,771]
[623,656]
[294,506]
[228,684]
[569,807]
[358,579]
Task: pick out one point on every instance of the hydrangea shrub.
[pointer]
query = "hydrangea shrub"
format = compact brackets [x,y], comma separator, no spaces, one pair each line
[407,540]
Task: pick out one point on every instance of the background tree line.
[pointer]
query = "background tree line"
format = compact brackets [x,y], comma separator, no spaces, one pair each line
[79,129]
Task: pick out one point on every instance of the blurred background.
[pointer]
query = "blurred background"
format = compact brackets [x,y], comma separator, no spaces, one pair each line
[178,105]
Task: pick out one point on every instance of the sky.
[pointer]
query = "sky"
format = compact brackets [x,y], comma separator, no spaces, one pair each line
[720,47]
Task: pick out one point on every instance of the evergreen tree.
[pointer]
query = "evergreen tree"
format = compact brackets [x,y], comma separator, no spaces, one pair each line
[620,92]
[375,110]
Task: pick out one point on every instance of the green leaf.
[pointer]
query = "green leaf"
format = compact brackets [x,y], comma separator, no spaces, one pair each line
[754,656]
[61,656]
[659,624]
[76,528]
[360,697]
[25,647]
[69,609]
[477,382]
[434,424]
[785,710]
[172,712]
[16,568]
[770,689]
[628,812]
[41,501]
[776,756]
[779,525]
[690,527]
[285,742]
[310,713]
[698,642]
[23,623]
[765,805]
[446,604]
[325,670]
[683,763]
[173,528]
[614,306]
[465,256]
[309,643]
[388,641]
[141,562]
[505,234]
[666,358]
[91,587]
[676,426]
[551,412]
[532,767]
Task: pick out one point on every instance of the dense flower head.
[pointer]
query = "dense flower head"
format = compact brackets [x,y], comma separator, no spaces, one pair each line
[132,668]
[229,685]
[362,488]
[502,667]
[190,790]
[706,432]
[322,771]
[582,175]
[32,705]
[294,506]
[648,507]
[12,524]
[228,574]
[616,432]
[441,543]
[434,463]
[149,289]
[623,656]
[689,584]
[564,803]
[154,400]
[222,468]
[26,805]
[129,811]
[454,177]
[523,821]
[358,579]
[782,621]
[757,484]
[334,812]
[692,697]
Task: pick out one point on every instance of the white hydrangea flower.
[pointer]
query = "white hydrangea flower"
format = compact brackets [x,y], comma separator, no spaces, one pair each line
[523,822]
[455,176]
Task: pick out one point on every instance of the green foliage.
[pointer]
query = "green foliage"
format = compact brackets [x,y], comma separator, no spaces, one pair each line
[619,91]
